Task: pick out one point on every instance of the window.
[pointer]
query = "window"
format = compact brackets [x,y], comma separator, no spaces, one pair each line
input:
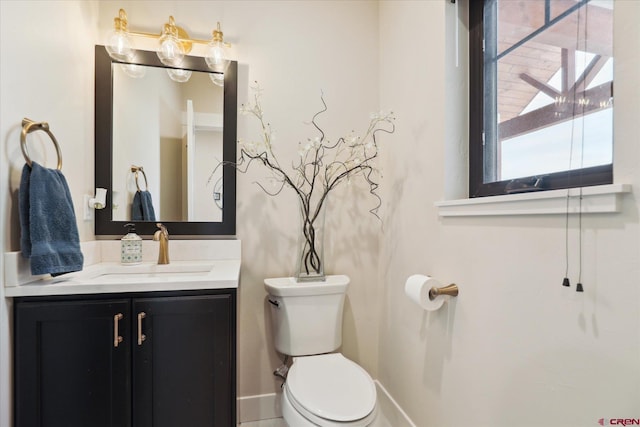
[541,95]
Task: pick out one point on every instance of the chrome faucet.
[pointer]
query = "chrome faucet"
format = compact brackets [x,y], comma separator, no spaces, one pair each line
[162,236]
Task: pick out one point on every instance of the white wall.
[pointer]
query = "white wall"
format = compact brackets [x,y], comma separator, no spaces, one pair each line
[515,348]
[46,74]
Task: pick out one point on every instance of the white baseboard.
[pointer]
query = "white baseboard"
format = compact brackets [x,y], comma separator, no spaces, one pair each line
[393,413]
[259,407]
[267,406]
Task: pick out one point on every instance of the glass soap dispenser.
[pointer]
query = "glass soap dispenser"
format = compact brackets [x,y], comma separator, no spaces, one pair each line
[131,247]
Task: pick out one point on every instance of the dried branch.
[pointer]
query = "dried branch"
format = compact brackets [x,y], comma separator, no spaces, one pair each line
[313,177]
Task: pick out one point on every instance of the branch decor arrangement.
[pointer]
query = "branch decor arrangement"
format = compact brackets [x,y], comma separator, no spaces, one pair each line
[323,165]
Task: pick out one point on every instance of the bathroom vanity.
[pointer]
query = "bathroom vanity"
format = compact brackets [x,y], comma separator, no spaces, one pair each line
[114,345]
[159,359]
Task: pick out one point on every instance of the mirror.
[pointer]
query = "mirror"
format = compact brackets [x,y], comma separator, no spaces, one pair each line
[158,142]
[181,126]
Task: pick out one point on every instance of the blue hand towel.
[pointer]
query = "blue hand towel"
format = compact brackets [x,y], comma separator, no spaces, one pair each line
[142,207]
[49,234]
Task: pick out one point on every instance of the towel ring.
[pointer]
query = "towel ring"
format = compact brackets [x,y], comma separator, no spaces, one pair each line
[29,126]
[135,170]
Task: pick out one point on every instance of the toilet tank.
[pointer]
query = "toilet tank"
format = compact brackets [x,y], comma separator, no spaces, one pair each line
[306,316]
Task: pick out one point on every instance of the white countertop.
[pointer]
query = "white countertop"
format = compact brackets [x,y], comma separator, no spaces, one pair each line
[199,266]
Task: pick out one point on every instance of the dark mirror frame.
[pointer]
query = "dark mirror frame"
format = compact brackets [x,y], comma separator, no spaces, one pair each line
[105,226]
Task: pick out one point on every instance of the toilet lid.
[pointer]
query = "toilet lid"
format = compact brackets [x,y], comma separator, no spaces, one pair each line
[332,387]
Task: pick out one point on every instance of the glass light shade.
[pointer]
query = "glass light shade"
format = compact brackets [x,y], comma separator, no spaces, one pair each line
[178,75]
[170,51]
[217,79]
[133,70]
[216,56]
[119,45]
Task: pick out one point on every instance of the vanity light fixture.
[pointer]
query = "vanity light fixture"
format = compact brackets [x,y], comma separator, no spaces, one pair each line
[173,43]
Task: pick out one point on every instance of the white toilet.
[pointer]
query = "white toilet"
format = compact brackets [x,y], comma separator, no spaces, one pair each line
[322,388]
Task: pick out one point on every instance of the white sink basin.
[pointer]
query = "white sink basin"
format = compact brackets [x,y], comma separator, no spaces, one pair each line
[112,273]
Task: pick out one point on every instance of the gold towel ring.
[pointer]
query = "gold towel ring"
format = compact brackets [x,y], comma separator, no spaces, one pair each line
[135,170]
[29,126]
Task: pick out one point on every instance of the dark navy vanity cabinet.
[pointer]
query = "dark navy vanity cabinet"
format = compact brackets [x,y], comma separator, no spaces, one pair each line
[161,359]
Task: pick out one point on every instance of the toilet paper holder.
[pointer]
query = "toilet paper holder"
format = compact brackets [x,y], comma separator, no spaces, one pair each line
[450,290]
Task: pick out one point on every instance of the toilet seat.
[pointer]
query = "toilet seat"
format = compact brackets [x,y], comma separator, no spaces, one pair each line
[330,389]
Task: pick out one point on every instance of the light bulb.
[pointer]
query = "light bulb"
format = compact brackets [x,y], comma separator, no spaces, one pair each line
[170,50]
[119,45]
[178,75]
[216,54]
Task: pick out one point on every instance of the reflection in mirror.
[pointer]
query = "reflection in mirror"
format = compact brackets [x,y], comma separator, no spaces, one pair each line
[173,131]
[157,142]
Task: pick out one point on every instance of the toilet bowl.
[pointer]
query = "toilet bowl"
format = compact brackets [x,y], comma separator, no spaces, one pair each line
[323,388]
[328,390]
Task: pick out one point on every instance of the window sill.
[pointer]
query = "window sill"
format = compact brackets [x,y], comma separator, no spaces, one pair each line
[596,199]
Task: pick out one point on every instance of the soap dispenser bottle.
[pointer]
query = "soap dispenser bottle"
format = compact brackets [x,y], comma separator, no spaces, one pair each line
[131,247]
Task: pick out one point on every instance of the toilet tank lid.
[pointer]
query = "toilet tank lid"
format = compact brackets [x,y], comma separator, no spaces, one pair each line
[287,286]
[332,387]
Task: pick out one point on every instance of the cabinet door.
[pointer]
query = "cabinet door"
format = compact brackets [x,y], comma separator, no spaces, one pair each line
[70,369]
[184,361]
